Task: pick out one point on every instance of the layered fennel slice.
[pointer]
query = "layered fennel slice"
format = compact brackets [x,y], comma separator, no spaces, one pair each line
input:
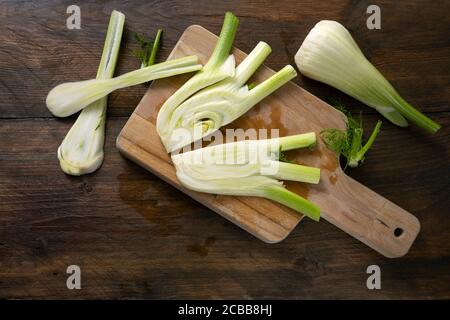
[222,103]
[250,168]
[220,65]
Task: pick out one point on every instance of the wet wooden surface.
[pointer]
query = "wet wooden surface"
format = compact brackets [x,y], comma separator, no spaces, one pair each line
[134,236]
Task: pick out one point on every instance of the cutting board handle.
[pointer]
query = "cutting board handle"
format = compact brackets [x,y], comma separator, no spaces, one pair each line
[370,218]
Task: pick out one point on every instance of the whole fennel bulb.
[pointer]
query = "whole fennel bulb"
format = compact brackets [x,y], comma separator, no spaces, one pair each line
[330,55]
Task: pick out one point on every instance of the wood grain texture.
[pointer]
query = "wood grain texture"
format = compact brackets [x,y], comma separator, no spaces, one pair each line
[344,202]
[135,236]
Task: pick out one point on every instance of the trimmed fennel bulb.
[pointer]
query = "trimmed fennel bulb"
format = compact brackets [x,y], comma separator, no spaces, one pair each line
[220,65]
[249,168]
[220,104]
[330,55]
[81,151]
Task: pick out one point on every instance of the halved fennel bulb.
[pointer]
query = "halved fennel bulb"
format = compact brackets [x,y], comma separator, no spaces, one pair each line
[81,151]
[218,105]
[249,168]
[220,65]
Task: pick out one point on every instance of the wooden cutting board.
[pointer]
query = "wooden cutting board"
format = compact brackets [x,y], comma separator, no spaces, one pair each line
[344,202]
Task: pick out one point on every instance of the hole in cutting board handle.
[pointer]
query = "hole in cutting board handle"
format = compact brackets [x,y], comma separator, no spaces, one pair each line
[398,232]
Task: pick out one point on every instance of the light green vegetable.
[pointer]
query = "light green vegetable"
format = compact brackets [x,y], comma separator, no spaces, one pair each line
[81,151]
[249,168]
[220,65]
[156,43]
[348,143]
[330,55]
[69,98]
[357,150]
[222,103]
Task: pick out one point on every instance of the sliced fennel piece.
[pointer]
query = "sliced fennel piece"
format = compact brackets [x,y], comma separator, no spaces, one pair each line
[81,151]
[69,98]
[220,65]
[330,55]
[249,168]
[218,105]
[197,114]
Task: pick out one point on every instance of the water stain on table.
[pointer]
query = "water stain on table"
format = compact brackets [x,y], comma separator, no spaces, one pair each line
[136,194]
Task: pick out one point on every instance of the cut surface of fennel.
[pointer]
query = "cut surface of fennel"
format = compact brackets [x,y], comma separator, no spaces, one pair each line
[81,151]
[222,103]
[330,54]
[250,168]
[220,65]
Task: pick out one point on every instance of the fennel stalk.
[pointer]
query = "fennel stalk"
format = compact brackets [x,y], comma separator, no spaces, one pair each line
[81,151]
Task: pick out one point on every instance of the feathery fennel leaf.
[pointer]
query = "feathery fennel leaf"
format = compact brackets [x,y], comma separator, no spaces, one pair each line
[147,48]
[282,157]
[349,142]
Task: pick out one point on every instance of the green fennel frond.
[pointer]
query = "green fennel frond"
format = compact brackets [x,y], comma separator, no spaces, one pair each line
[148,48]
[349,142]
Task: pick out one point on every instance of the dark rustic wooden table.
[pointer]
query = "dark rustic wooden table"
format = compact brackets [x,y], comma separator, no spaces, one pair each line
[135,236]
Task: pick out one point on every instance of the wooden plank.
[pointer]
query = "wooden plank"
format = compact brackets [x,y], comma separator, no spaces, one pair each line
[42,53]
[344,202]
[135,236]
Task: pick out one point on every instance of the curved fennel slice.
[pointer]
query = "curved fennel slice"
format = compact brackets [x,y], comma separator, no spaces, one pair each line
[69,98]
[81,151]
[220,65]
[250,168]
[220,104]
